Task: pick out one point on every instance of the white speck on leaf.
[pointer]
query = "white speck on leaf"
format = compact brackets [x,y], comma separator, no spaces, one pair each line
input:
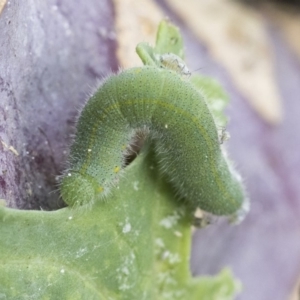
[159,242]
[81,252]
[124,287]
[125,270]
[178,233]
[170,221]
[126,227]
[123,273]
[174,258]
[165,255]
[136,185]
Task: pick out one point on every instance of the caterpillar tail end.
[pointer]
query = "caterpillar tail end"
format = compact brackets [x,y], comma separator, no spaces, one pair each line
[241,213]
[77,190]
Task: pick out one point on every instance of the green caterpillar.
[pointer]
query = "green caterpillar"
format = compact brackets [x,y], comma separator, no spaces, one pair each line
[181,127]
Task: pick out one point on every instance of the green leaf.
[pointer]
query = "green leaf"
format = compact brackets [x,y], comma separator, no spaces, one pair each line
[147,54]
[135,245]
[215,96]
[168,40]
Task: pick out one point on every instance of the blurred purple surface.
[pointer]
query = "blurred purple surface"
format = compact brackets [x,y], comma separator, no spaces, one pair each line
[50,54]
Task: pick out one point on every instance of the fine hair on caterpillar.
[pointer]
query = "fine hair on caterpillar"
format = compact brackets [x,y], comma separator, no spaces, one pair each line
[180,125]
